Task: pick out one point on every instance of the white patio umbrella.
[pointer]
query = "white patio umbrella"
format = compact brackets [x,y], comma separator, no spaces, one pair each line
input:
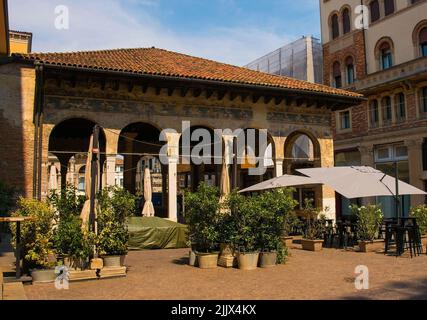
[360,182]
[53,178]
[148,210]
[225,187]
[284,181]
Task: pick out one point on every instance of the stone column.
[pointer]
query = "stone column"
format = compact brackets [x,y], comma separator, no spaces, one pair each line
[415,155]
[279,155]
[173,158]
[327,160]
[110,171]
[367,159]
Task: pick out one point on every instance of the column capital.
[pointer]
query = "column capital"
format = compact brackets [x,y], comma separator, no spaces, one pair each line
[414,143]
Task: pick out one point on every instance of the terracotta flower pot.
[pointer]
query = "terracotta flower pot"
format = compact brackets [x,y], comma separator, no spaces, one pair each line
[267,259]
[248,261]
[312,245]
[207,260]
[371,246]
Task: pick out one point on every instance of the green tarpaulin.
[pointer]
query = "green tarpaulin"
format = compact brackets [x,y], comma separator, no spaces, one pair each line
[156,233]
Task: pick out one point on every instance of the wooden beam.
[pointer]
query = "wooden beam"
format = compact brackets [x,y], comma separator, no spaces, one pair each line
[209,93]
[255,98]
[158,91]
[278,100]
[144,88]
[267,99]
[221,94]
[233,96]
[184,92]
[170,91]
[197,93]
[130,86]
[244,96]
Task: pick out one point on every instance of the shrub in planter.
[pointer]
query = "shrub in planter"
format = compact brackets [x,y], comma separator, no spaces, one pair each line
[7,202]
[276,206]
[315,228]
[202,218]
[420,213]
[115,205]
[36,237]
[369,220]
[246,218]
[73,245]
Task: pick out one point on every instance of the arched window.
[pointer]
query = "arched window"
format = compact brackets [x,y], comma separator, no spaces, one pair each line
[423,41]
[374,114]
[387,111]
[386,55]
[389,7]
[400,107]
[335,26]
[375,10]
[350,70]
[336,72]
[346,23]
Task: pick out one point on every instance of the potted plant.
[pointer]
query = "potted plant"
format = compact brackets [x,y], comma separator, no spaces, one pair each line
[115,206]
[112,243]
[369,220]
[313,234]
[72,244]
[36,239]
[202,218]
[245,216]
[420,213]
[290,222]
[275,207]
[227,233]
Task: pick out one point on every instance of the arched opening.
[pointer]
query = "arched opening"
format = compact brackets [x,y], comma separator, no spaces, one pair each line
[139,148]
[346,20]
[335,28]
[374,7]
[68,146]
[302,150]
[336,74]
[199,158]
[384,53]
[349,64]
[423,41]
[257,153]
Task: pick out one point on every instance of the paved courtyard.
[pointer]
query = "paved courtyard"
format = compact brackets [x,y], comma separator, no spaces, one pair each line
[329,274]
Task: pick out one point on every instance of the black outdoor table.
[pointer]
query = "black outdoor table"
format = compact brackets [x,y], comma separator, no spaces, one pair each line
[18,221]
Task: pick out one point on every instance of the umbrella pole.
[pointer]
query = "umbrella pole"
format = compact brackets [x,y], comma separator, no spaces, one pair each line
[235,162]
[94,166]
[397,196]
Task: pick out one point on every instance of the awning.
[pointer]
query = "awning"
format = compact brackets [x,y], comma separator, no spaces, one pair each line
[282,182]
[360,182]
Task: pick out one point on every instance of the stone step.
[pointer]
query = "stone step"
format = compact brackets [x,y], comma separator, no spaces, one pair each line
[14,291]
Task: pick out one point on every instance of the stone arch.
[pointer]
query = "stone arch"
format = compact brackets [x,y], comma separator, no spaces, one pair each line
[71,137]
[297,144]
[416,37]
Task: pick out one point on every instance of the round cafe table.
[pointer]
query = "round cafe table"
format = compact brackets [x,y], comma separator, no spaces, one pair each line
[18,221]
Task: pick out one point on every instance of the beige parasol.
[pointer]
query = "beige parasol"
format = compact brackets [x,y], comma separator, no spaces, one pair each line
[148,210]
[53,178]
[88,174]
[225,184]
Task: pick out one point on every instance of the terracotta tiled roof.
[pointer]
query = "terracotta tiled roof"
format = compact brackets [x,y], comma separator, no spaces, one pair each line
[153,61]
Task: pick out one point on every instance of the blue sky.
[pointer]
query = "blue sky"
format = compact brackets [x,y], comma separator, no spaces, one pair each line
[232,31]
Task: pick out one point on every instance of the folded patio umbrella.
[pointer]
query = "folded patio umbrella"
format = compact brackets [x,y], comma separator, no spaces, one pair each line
[53,178]
[148,210]
[360,182]
[282,182]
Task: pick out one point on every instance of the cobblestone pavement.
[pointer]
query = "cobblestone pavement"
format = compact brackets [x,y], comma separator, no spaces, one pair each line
[329,274]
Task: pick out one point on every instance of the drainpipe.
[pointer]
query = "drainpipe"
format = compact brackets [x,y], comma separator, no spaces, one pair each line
[364,41]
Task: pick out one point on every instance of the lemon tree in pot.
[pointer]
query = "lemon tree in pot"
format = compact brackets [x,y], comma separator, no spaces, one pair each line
[115,205]
[275,207]
[245,216]
[202,217]
[314,229]
[36,239]
[73,245]
[369,220]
